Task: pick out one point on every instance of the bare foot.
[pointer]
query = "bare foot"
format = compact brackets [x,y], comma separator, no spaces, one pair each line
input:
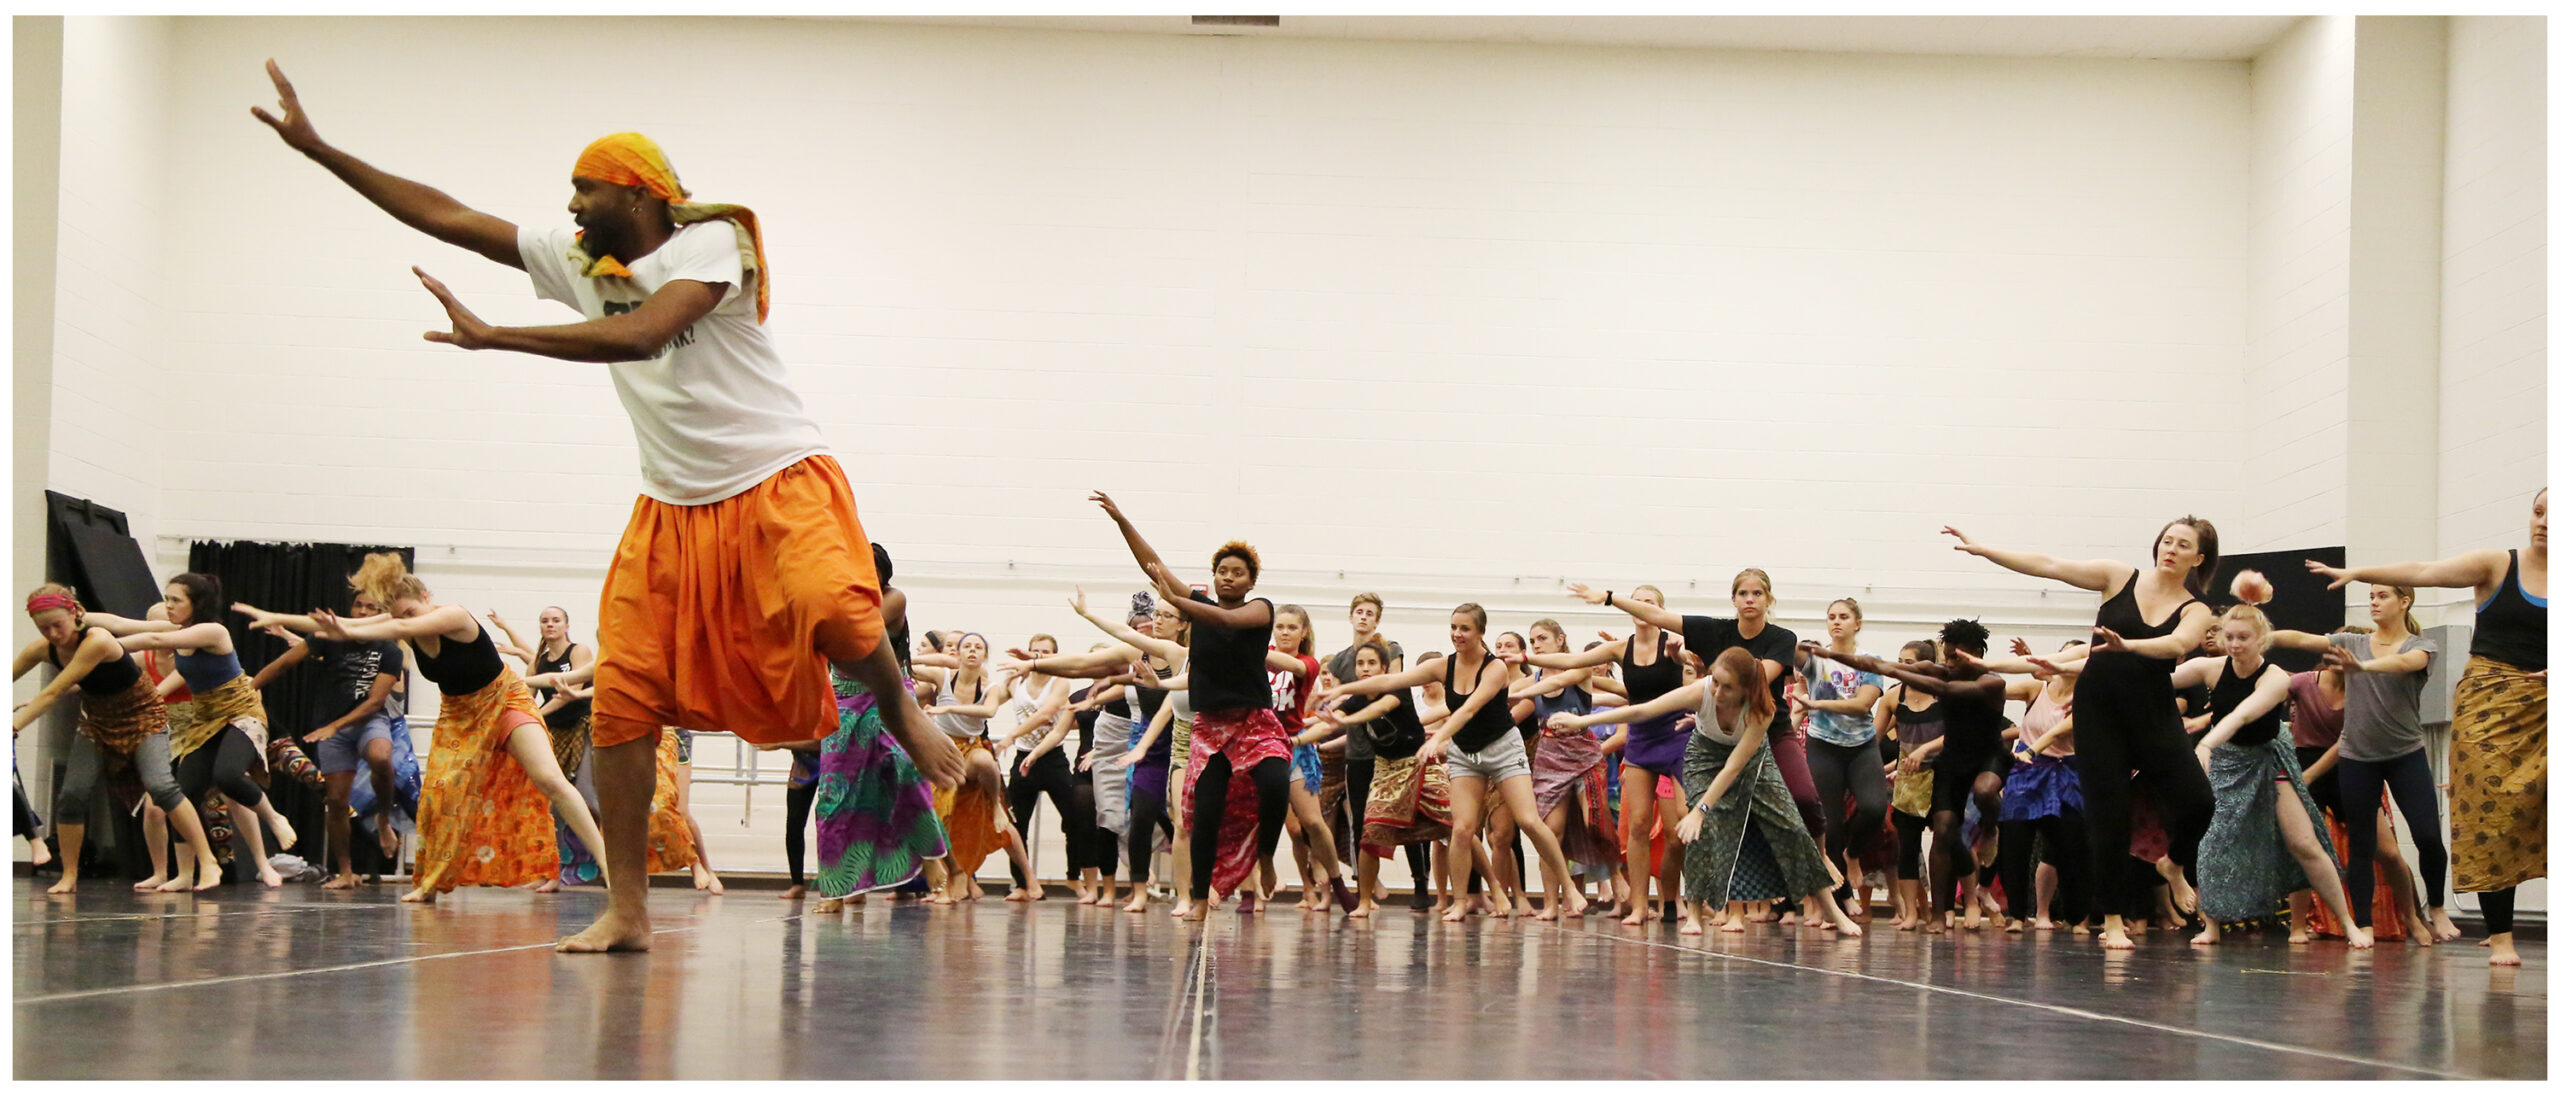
[420,895]
[1691,926]
[826,905]
[2211,935]
[38,855]
[1089,898]
[2502,952]
[154,883]
[2303,936]
[386,837]
[1018,894]
[1636,917]
[1936,927]
[268,878]
[1457,914]
[2116,940]
[68,884]
[2016,926]
[2419,934]
[2442,925]
[1850,928]
[611,932]
[794,893]
[2043,923]
[1364,909]
[282,831]
[548,886]
[1199,911]
[1787,919]
[1138,903]
[2079,928]
[2358,938]
[347,881]
[1733,923]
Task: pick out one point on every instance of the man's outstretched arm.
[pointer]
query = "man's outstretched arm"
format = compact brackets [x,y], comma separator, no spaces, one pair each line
[416,205]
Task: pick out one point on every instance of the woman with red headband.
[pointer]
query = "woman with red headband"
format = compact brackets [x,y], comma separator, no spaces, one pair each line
[225,737]
[122,726]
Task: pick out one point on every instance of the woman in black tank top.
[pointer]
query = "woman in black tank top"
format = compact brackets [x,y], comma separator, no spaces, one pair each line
[491,757]
[2126,711]
[1477,684]
[2501,717]
[1647,750]
[2265,843]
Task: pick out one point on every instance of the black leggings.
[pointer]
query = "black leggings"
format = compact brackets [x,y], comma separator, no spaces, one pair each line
[1906,839]
[224,763]
[2498,908]
[24,823]
[2063,844]
[2360,785]
[1146,815]
[2124,729]
[1209,810]
[796,802]
[1049,776]
[1102,852]
[1357,775]
[1856,771]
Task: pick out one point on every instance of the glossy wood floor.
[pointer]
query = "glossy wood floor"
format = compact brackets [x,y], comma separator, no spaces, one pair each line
[111,985]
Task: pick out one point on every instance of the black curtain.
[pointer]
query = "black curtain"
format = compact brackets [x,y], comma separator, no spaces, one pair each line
[290,578]
[2303,602]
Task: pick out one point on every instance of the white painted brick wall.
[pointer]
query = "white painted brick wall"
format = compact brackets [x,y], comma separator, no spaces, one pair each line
[1617,315]
[2495,373]
[110,398]
[2301,94]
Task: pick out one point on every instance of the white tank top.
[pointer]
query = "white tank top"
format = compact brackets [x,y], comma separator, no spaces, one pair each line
[955,724]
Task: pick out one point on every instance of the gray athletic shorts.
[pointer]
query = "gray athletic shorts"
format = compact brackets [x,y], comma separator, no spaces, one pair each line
[1505,759]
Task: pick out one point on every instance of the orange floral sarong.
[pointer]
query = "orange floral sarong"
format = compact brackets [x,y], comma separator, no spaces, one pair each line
[481,822]
[969,817]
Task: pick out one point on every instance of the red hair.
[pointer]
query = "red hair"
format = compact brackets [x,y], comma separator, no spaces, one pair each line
[1746,672]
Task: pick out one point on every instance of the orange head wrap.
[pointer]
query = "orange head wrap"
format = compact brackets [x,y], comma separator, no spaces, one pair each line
[631,159]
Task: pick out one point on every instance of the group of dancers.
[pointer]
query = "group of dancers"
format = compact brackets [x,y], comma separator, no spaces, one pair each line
[745,596]
[2164,769]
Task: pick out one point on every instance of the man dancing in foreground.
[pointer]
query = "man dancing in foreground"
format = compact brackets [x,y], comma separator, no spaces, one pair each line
[744,571]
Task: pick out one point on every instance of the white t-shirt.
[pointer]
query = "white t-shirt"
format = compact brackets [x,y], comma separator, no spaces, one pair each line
[713,412]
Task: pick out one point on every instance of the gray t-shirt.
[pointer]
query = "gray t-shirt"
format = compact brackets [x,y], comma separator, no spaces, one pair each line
[1345,668]
[2382,709]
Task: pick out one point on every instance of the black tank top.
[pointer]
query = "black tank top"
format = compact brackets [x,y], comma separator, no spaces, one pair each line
[1486,726]
[1226,666]
[566,717]
[460,669]
[898,646]
[2228,694]
[2123,613]
[1649,682]
[2508,626]
[112,677]
[1914,729]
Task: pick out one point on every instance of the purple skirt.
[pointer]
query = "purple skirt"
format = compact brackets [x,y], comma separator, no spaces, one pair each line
[1658,744]
[876,825]
[2042,790]
[1148,778]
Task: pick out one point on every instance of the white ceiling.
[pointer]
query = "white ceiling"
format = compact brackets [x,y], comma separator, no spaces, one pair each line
[2192,38]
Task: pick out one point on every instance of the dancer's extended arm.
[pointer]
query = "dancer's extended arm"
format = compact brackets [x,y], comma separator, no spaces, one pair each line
[2087,574]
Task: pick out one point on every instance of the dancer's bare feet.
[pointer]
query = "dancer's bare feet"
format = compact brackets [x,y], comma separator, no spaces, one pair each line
[1089,897]
[268,878]
[826,905]
[2441,924]
[2114,938]
[1364,909]
[704,879]
[68,884]
[1734,921]
[794,893]
[38,855]
[347,881]
[2211,935]
[281,830]
[420,895]
[611,932]
[1199,911]
[1138,902]
[2502,950]
[156,881]
[548,886]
